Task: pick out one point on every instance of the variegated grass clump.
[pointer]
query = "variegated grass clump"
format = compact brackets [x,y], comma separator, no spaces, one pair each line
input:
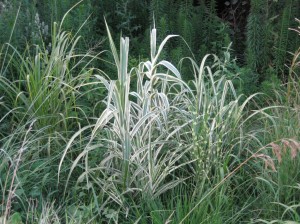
[144,146]
[218,115]
[42,94]
[155,133]
[47,86]
[46,81]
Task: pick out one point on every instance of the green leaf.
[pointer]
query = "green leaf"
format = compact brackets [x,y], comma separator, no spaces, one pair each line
[15,218]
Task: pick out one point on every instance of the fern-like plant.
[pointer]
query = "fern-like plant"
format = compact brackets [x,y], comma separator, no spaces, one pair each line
[283,41]
[257,34]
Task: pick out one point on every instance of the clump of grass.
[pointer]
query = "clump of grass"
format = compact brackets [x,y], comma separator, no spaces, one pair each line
[10,182]
[45,90]
[136,132]
[159,133]
[277,188]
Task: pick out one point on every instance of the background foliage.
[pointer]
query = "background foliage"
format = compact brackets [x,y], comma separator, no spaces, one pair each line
[258,29]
